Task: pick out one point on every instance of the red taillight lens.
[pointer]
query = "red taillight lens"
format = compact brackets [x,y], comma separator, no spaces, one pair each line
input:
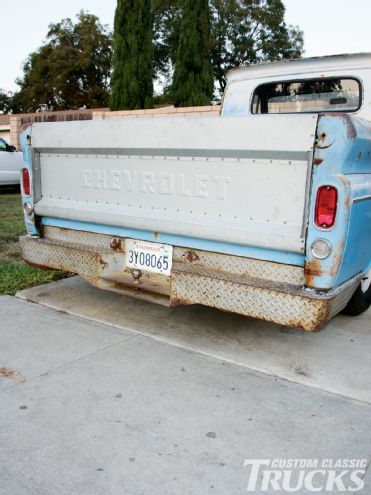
[326,204]
[26,183]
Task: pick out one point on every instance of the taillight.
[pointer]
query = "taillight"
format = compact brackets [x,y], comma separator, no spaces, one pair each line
[26,182]
[326,204]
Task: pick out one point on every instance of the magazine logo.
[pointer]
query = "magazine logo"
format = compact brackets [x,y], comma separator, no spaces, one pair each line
[312,475]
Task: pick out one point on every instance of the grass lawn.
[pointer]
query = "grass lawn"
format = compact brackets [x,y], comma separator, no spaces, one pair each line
[15,274]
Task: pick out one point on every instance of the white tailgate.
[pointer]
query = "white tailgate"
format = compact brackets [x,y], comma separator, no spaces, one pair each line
[240,180]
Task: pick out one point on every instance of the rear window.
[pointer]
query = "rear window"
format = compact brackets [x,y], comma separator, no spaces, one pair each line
[308,95]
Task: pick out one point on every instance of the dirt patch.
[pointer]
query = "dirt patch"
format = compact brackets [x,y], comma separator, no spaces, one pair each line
[12,375]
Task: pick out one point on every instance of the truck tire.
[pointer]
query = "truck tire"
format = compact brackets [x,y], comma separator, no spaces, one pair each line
[359,302]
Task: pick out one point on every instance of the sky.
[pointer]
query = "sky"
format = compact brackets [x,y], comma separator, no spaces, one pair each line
[330,27]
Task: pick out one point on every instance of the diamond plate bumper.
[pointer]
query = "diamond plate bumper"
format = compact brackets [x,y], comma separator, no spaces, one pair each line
[241,285]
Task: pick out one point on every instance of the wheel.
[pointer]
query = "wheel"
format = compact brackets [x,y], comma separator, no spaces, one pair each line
[360,300]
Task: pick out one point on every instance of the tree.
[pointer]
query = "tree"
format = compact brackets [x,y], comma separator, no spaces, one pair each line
[167,17]
[132,77]
[193,78]
[243,32]
[5,102]
[248,32]
[70,70]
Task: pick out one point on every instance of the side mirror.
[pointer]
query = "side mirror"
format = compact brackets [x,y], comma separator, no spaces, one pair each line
[12,148]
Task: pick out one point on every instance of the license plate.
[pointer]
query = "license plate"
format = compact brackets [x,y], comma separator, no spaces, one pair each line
[149,256]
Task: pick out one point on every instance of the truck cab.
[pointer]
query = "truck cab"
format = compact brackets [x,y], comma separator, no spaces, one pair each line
[263,210]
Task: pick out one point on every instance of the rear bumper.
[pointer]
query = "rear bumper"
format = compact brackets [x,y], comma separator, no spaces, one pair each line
[259,289]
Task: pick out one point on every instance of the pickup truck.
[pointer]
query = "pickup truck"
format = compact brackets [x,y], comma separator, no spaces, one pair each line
[263,210]
[10,164]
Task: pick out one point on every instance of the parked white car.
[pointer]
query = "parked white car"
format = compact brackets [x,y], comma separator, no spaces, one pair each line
[10,164]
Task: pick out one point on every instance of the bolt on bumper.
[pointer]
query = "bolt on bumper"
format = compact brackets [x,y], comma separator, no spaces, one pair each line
[240,285]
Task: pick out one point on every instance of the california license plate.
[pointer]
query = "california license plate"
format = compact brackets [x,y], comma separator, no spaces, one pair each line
[149,256]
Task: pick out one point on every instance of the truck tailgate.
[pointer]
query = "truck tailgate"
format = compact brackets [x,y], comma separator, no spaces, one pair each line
[239,180]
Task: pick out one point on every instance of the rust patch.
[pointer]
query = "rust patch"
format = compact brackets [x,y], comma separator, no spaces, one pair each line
[312,269]
[295,324]
[12,375]
[315,324]
[321,141]
[318,161]
[343,180]
[42,267]
[121,286]
[102,262]
[155,235]
[312,326]
[178,301]
[191,256]
[117,244]
[348,202]
[351,128]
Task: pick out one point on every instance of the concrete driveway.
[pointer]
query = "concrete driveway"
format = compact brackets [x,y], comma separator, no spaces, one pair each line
[159,401]
[337,359]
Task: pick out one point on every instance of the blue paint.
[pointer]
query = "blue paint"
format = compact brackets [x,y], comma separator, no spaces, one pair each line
[181,241]
[27,163]
[357,254]
[344,146]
